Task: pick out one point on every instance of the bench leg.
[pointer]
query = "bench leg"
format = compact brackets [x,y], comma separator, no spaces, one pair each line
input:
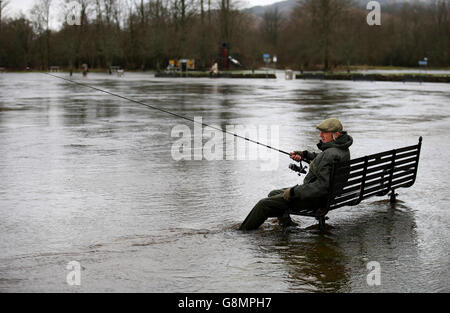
[322,223]
[393,195]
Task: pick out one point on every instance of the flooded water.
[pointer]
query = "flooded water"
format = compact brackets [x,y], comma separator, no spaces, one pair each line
[91,178]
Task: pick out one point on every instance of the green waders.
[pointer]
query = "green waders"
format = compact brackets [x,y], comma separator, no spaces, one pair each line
[276,206]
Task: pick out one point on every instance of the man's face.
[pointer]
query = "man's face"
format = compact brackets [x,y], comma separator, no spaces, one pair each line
[326,137]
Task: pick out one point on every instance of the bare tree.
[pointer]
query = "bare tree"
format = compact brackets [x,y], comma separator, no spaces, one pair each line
[40,13]
[3,4]
[323,15]
[270,28]
[80,33]
[225,16]
[147,33]
[442,22]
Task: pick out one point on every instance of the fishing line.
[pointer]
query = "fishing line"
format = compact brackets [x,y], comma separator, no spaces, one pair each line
[167,112]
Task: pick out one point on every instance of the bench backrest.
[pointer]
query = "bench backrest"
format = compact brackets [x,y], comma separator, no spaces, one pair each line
[372,175]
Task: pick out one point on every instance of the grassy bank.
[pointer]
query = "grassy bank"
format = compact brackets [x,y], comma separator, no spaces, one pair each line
[193,74]
[398,77]
[231,74]
[353,68]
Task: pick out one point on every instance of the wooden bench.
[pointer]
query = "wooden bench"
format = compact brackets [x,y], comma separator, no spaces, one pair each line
[378,174]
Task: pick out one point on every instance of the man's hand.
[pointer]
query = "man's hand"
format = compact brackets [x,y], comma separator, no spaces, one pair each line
[295,156]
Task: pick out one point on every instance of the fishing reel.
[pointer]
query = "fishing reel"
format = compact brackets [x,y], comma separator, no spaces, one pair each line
[300,169]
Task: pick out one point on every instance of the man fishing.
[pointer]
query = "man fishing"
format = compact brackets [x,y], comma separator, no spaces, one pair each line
[312,193]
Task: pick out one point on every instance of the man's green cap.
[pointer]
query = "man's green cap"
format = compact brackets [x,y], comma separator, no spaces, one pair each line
[331,125]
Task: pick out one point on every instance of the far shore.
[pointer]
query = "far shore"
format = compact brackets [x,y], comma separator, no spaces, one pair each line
[338,69]
[356,73]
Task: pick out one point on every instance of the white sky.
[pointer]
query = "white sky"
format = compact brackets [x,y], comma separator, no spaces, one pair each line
[16,5]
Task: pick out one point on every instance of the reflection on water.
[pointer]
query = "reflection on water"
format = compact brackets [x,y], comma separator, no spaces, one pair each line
[89,177]
[336,262]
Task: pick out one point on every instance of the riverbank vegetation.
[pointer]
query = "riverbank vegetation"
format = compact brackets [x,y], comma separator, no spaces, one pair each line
[145,35]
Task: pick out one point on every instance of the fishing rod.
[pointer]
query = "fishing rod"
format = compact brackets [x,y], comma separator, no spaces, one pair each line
[300,169]
[168,112]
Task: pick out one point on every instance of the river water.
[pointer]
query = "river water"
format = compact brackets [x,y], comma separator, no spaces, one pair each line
[91,178]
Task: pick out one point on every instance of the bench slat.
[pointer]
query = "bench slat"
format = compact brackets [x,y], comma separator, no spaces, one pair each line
[345,164]
[377,189]
[356,194]
[399,184]
[370,157]
[375,181]
[404,155]
[380,154]
[377,168]
[370,177]
[414,147]
[371,163]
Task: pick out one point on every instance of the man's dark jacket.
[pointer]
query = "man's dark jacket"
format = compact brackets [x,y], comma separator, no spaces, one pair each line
[316,183]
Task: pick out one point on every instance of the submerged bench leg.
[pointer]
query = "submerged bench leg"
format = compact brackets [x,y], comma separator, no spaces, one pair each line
[393,195]
[321,223]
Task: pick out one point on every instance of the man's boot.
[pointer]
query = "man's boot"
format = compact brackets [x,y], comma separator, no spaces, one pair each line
[286,221]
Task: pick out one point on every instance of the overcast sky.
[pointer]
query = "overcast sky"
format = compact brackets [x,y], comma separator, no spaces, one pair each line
[24,5]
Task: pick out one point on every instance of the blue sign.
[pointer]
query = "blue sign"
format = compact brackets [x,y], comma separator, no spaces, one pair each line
[266,56]
[423,63]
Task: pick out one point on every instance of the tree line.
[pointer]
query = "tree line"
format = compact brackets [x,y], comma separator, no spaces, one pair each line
[144,35]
